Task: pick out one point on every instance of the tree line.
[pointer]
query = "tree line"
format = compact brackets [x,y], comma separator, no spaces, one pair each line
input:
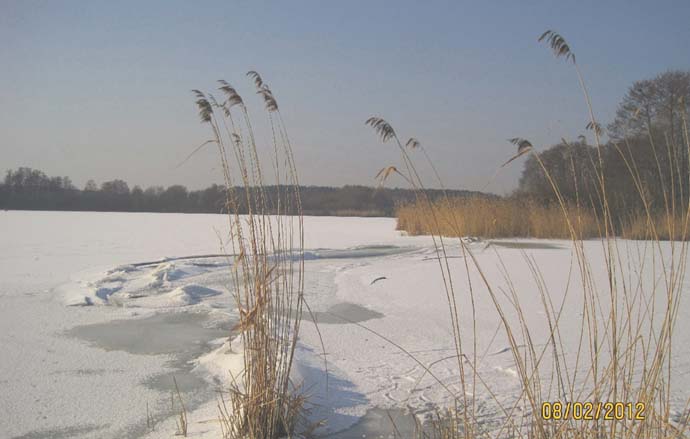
[31,189]
[646,152]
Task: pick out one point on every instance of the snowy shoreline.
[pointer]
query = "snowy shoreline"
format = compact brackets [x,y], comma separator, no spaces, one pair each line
[91,371]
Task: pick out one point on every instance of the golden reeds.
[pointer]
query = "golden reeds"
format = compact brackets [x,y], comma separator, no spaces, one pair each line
[519,218]
[494,218]
[626,322]
[267,268]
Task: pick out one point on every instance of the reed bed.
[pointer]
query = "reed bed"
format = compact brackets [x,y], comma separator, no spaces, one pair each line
[627,321]
[266,246]
[626,327]
[524,218]
[493,218]
[660,226]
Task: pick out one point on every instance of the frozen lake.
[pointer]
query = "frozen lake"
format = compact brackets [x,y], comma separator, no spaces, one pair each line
[100,310]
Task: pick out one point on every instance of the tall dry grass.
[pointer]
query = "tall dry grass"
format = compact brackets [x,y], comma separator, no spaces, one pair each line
[627,319]
[267,266]
[521,218]
[493,218]
[663,226]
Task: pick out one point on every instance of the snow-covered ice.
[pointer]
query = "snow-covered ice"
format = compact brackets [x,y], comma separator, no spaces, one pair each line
[100,310]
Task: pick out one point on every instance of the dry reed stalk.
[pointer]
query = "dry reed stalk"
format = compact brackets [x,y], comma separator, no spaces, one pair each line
[181,420]
[268,267]
[626,328]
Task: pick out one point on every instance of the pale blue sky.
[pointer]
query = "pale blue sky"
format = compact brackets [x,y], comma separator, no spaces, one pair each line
[100,89]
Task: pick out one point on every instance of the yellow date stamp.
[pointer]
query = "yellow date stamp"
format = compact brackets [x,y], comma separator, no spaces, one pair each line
[593,411]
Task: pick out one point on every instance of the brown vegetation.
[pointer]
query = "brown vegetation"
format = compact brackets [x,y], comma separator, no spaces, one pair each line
[493,218]
[267,269]
[524,218]
[627,324]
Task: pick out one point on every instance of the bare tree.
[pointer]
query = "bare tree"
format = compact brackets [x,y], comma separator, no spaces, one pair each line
[91,186]
[116,187]
[653,106]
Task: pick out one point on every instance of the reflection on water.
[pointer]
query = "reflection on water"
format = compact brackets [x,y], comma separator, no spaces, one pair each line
[342,313]
[535,245]
[183,336]
[380,423]
[177,333]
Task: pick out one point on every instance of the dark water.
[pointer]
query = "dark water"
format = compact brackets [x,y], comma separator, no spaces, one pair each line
[525,245]
[183,336]
[380,423]
[342,313]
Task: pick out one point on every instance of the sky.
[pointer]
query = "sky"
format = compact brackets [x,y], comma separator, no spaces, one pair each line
[101,89]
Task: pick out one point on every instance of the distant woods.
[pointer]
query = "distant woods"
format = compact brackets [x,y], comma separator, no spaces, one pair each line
[636,183]
[30,189]
[647,150]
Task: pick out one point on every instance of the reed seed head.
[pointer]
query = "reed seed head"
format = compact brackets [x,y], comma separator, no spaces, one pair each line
[596,127]
[232,97]
[256,78]
[522,144]
[205,108]
[384,173]
[269,100]
[413,143]
[558,44]
[382,128]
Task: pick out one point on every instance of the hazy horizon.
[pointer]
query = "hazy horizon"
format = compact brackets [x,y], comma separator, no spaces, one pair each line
[101,90]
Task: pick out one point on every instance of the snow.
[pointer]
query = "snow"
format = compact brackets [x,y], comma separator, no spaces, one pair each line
[154,301]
